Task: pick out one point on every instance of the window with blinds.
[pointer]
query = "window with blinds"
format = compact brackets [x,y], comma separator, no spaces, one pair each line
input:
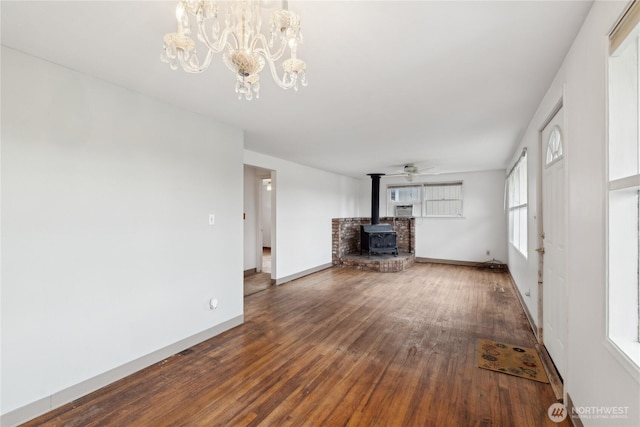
[443,199]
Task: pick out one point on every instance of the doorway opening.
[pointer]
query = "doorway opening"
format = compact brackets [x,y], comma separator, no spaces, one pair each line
[265,214]
[259,214]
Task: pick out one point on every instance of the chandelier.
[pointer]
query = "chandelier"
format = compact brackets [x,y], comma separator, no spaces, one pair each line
[237,32]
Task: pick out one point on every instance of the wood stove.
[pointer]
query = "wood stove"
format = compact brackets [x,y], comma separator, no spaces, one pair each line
[377,238]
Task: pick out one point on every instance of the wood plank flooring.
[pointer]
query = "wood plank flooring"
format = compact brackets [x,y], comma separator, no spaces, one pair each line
[340,348]
[257,282]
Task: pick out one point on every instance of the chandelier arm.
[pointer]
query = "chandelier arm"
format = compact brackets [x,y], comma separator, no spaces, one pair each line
[264,49]
[233,37]
[276,78]
[217,46]
[190,68]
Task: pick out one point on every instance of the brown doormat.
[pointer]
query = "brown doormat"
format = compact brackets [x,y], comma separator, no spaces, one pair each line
[511,359]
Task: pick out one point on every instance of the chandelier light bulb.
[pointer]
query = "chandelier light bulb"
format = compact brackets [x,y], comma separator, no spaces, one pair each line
[236,34]
[179,12]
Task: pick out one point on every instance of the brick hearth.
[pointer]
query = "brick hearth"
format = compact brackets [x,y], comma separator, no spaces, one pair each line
[345,239]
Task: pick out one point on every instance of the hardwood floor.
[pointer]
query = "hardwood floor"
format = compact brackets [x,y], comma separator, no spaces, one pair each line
[266,260]
[340,348]
[257,282]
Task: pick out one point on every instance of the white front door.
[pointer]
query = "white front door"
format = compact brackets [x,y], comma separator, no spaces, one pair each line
[554,219]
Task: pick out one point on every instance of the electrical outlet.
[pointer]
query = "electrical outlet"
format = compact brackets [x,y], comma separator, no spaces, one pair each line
[213,303]
[488,252]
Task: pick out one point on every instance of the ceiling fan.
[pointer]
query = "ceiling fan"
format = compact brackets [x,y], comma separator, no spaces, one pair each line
[410,171]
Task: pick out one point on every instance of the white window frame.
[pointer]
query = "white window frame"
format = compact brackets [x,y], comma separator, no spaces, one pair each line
[420,203]
[517,205]
[416,203]
[623,193]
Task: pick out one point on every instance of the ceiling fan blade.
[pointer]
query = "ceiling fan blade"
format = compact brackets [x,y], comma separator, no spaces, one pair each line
[411,170]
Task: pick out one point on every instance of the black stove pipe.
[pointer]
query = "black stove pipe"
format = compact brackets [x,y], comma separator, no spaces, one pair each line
[375,197]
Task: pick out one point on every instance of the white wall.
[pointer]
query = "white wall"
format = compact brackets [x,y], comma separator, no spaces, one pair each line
[306,200]
[107,251]
[250,217]
[458,239]
[595,377]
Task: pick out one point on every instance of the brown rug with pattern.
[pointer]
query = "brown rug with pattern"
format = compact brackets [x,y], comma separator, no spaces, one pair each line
[511,359]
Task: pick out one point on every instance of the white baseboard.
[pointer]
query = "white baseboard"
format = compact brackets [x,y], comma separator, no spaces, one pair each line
[286,279]
[446,261]
[530,319]
[44,405]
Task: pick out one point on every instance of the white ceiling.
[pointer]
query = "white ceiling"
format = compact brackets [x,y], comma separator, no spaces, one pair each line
[450,84]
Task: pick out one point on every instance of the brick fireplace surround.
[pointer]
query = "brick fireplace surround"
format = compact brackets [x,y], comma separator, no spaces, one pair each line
[345,241]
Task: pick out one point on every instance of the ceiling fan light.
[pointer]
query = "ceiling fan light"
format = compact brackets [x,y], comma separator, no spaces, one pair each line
[411,169]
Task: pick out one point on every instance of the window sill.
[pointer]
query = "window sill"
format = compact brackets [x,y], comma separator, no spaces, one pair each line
[627,352]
